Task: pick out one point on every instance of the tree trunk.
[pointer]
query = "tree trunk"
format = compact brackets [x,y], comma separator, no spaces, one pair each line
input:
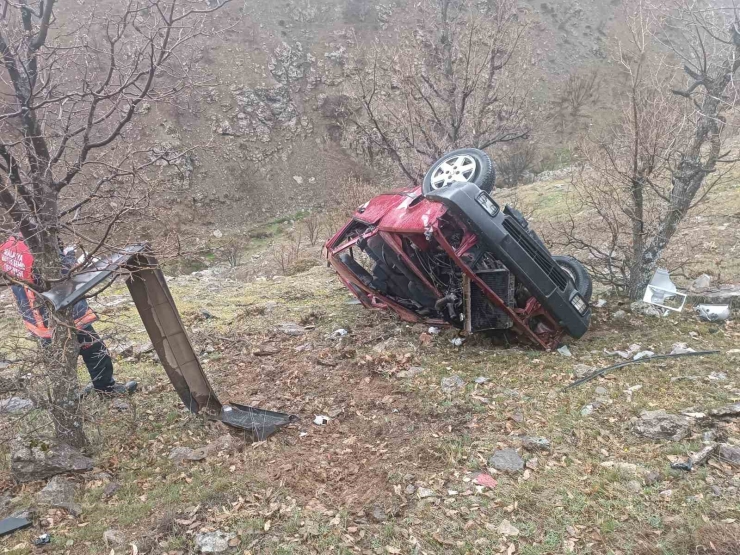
[61,363]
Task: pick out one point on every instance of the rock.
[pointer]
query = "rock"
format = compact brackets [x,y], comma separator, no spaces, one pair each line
[565,351]
[378,514]
[588,410]
[729,454]
[717,377]
[702,283]
[633,486]
[716,491]
[410,489]
[291,329]
[681,349]
[480,380]
[180,454]
[218,233]
[223,444]
[619,315]
[582,370]
[666,493]
[110,489]
[625,467]
[15,404]
[114,538]
[601,303]
[506,460]
[452,383]
[645,309]
[602,391]
[56,492]
[727,411]
[423,493]
[506,528]
[298,179]
[535,443]
[643,354]
[213,542]
[652,478]
[658,424]
[120,405]
[29,463]
[411,372]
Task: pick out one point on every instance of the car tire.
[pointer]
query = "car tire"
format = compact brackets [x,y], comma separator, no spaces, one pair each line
[578,273]
[452,166]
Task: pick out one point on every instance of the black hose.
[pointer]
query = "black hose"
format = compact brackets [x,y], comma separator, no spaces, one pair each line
[628,362]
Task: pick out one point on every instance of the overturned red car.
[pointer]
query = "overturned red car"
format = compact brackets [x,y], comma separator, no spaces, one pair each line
[447,253]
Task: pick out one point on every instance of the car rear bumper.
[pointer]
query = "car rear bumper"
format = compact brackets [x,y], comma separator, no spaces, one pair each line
[531,263]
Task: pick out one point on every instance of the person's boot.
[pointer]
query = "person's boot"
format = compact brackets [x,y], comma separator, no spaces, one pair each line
[127,388]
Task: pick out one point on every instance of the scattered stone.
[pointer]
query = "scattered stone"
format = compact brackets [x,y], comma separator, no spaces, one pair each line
[643,354]
[423,493]
[619,315]
[717,377]
[15,405]
[289,328]
[378,514]
[480,380]
[702,283]
[536,443]
[451,383]
[533,463]
[58,491]
[681,349]
[181,454]
[666,493]
[506,460]
[120,405]
[110,489]
[298,179]
[457,341]
[410,489]
[411,372]
[225,443]
[506,528]
[658,424]
[716,491]
[338,334]
[114,538]
[213,542]
[633,486]
[601,303]
[582,370]
[218,233]
[565,351]
[652,478]
[625,467]
[645,309]
[729,454]
[588,410]
[602,391]
[38,462]
[727,411]
[433,331]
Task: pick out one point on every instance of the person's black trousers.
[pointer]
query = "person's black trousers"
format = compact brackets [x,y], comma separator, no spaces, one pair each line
[96,357]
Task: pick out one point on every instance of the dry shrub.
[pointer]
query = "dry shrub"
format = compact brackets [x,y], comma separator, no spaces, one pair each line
[312,225]
[352,192]
[710,539]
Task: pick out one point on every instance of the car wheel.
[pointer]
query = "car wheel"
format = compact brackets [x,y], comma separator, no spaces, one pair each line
[580,276]
[466,164]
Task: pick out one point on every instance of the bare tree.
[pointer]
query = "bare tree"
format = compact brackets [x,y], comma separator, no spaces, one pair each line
[459,79]
[665,154]
[71,89]
[580,92]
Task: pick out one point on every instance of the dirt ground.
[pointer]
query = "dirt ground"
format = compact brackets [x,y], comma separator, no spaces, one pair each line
[395,468]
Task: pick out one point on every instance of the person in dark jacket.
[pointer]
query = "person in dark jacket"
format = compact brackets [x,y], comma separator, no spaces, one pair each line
[16,261]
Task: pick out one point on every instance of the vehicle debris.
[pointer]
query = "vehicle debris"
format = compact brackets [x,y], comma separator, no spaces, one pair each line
[338,334]
[13,524]
[662,292]
[457,341]
[43,539]
[153,300]
[696,459]
[713,312]
[433,330]
[565,351]
[321,420]
[446,253]
[603,371]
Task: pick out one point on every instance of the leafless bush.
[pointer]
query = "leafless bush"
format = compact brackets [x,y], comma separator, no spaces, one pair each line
[514,163]
[460,78]
[286,253]
[233,249]
[352,192]
[665,153]
[312,225]
[581,91]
